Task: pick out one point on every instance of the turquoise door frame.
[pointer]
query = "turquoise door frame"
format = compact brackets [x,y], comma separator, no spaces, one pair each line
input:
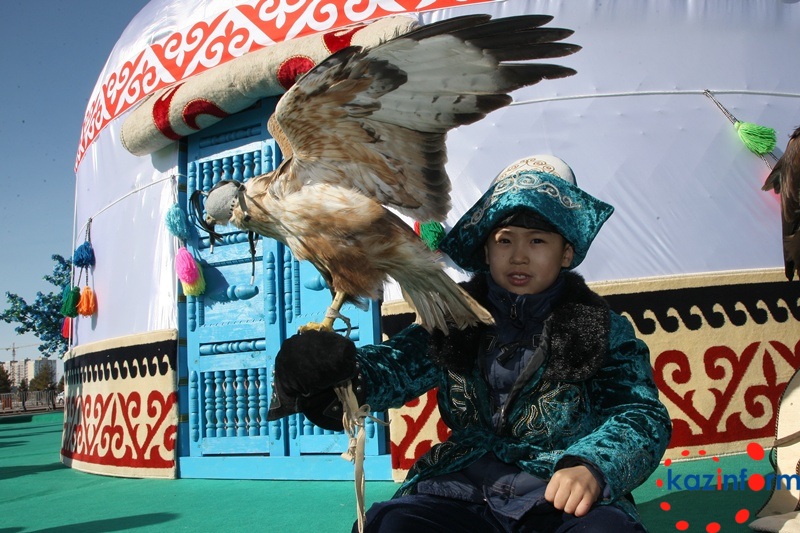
[230,334]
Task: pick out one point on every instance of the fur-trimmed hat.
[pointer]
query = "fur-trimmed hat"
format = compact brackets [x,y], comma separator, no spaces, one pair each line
[543,184]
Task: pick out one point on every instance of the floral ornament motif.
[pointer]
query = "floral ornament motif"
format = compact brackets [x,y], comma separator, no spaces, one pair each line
[529,163]
[522,181]
[519,181]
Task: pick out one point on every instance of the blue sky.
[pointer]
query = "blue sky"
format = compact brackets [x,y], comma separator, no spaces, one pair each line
[52,54]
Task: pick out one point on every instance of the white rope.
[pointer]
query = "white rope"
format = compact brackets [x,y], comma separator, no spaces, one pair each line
[76,231]
[353,417]
[651,93]
[690,92]
[121,198]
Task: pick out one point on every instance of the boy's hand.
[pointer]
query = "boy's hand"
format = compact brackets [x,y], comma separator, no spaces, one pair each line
[572,490]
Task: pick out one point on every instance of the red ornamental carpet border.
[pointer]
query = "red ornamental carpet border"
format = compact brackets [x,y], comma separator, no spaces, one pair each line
[723,348]
[244,28]
[120,413]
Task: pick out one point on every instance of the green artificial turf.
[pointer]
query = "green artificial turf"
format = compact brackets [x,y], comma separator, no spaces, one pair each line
[39,494]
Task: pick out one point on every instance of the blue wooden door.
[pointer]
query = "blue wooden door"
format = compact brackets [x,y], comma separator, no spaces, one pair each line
[233,331]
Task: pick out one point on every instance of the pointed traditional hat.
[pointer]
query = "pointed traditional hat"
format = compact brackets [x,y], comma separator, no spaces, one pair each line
[543,184]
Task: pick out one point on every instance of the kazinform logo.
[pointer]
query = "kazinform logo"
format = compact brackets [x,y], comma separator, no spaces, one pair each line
[719,480]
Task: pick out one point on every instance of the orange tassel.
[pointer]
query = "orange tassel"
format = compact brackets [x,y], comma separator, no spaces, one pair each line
[87,305]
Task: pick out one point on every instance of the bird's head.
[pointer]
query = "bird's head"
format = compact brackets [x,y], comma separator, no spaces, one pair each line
[218,205]
[221,200]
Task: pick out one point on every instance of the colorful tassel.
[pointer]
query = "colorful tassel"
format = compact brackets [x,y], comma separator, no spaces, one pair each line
[758,139]
[66,327]
[69,305]
[84,256]
[430,232]
[186,267]
[87,305]
[197,288]
[178,223]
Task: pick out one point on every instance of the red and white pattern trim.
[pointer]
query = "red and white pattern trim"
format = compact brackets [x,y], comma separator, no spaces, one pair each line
[240,30]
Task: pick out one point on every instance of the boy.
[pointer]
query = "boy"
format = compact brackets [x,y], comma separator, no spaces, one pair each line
[554,414]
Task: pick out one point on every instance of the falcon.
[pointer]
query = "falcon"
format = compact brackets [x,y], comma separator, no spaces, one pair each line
[363,134]
[785,181]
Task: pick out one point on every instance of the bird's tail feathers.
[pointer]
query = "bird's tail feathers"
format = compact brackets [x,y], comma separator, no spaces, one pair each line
[448,305]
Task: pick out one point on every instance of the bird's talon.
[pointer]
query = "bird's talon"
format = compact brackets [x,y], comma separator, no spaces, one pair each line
[314,326]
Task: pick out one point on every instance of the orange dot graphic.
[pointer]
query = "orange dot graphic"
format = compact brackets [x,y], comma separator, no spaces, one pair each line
[715,459]
[755,451]
[713,527]
[682,525]
[685,453]
[665,506]
[756,482]
[659,483]
[742,516]
[701,452]
[667,462]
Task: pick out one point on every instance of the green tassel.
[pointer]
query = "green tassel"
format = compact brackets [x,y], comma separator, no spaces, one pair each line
[758,139]
[69,304]
[431,234]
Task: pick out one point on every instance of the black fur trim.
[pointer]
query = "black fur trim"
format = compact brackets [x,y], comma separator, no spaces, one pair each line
[581,323]
[579,335]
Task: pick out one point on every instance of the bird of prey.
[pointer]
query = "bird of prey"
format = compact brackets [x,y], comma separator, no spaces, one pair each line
[785,180]
[364,131]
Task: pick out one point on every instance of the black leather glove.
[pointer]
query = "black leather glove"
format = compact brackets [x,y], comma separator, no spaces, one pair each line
[307,368]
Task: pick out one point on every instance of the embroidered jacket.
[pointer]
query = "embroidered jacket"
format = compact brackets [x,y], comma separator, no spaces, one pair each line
[593,399]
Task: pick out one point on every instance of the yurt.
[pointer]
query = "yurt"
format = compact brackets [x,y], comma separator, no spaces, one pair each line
[169,365]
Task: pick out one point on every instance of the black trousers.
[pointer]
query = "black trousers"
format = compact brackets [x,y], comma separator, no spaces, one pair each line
[424,513]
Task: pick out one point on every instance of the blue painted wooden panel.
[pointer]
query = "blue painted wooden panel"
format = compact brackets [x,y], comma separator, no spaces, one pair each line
[234,330]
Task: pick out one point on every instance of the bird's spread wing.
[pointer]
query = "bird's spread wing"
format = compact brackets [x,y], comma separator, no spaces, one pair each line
[375,120]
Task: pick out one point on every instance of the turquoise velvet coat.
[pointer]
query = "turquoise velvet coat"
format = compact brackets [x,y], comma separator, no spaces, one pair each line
[593,398]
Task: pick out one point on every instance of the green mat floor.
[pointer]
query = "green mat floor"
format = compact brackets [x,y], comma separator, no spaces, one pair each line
[38,494]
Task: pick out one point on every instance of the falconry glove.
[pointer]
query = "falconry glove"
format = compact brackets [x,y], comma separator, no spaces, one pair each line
[307,368]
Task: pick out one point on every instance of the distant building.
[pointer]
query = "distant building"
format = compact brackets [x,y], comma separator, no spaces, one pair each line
[16,372]
[27,369]
[33,367]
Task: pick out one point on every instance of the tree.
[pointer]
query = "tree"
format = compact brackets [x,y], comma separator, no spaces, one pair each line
[44,379]
[23,392]
[5,380]
[43,317]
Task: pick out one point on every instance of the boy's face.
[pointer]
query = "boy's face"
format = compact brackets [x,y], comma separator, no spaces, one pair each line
[526,261]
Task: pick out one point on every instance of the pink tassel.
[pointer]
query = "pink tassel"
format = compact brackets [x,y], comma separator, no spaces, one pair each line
[186,266]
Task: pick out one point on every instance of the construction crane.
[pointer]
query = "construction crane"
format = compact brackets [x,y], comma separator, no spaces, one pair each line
[14,349]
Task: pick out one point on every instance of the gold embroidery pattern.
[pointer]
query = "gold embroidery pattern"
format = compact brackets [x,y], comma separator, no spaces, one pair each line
[529,163]
[556,407]
[516,182]
[462,400]
[530,422]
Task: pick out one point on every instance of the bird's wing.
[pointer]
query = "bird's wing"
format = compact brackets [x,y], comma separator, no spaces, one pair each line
[785,180]
[378,117]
